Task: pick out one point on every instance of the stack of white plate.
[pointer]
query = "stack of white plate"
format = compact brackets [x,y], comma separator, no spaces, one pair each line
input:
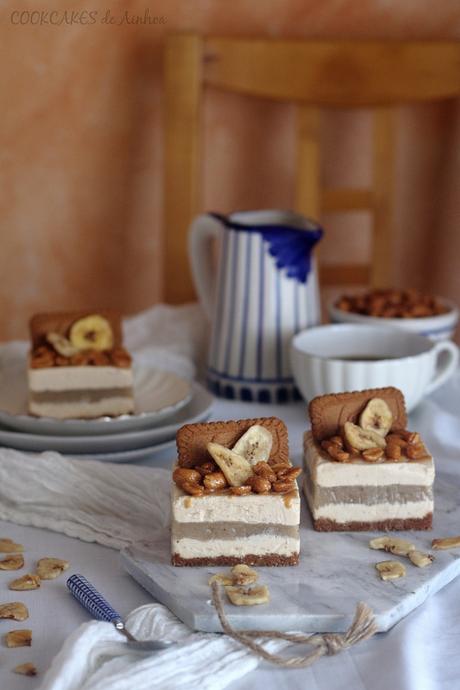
[163,403]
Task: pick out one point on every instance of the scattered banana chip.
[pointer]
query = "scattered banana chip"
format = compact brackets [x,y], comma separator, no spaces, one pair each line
[8,546]
[255,445]
[244,575]
[376,417]
[240,596]
[240,574]
[362,439]
[25,582]
[222,578]
[27,669]
[19,638]
[400,547]
[236,469]
[390,570]
[92,332]
[50,568]
[421,560]
[14,611]
[13,562]
[446,543]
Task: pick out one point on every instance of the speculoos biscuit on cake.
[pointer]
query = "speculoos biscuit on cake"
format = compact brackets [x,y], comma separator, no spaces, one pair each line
[192,439]
[328,413]
[60,322]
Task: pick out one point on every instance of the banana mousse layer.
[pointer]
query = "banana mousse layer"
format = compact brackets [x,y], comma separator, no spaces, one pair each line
[360,495]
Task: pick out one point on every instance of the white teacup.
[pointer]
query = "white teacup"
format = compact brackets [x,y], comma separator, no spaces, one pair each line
[351,357]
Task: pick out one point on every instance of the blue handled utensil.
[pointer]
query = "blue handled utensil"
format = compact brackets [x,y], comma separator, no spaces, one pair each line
[88,596]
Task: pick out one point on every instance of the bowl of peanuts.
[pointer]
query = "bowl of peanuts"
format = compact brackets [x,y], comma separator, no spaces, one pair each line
[411,310]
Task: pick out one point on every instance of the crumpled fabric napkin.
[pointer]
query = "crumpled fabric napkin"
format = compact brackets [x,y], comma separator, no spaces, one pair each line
[113,505]
[172,338]
[96,657]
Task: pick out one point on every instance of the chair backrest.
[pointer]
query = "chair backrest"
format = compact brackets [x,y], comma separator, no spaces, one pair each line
[315,75]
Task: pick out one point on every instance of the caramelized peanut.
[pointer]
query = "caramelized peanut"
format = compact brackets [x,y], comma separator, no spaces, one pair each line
[215,481]
[263,469]
[184,474]
[259,485]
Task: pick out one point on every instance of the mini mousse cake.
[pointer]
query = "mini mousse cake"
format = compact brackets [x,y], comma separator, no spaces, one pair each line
[363,469]
[78,367]
[235,497]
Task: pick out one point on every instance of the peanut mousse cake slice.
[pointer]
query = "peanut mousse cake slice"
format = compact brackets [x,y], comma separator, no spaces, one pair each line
[235,497]
[78,367]
[363,469]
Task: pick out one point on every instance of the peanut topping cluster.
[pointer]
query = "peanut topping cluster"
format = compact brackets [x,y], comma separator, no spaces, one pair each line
[392,304]
[397,447]
[207,478]
[46,356]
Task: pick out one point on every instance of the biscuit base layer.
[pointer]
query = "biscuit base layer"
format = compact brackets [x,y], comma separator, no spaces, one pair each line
[425,523]
[267,559]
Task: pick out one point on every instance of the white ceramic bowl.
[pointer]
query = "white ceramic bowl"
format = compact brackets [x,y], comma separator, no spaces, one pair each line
[320,360]
[441,327]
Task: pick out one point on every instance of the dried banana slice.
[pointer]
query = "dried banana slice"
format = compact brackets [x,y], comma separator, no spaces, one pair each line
[362,439]
[244,575]
[221,578]
[236,469]
[421,560]
[390,570]
[61,344]
[27,669]
[239,596]
[377,417]
[25,582]
[400,547]
[446,543]
[14,610]
[14,561]
[92,332]
[255,445]
[18,638]
[8,546]
[50,568]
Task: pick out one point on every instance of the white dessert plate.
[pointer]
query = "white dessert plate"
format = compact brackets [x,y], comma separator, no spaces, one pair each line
[196,410]
[159,452]
[157,396]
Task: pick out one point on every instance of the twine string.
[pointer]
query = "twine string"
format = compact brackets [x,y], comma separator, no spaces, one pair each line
[362,628]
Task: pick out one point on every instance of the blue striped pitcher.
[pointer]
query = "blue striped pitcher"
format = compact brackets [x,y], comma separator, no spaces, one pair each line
[263,290]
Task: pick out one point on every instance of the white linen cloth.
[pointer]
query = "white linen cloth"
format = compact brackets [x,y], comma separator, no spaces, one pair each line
[95,657]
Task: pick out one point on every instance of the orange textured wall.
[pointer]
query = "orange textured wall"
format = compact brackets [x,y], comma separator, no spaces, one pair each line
[81,146]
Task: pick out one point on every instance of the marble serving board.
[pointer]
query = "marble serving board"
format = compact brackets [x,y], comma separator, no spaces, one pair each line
[335,572]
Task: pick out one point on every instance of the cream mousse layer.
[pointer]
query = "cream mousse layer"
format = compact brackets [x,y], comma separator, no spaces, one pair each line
[329,473]
[79,378]
[256,545]
[268,509]
[105,407]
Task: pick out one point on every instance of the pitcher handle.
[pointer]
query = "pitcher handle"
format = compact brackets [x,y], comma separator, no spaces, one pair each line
[203,230]
[445,370]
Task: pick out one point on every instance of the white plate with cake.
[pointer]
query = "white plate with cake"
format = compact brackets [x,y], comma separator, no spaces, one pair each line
[197,409]
[79,380]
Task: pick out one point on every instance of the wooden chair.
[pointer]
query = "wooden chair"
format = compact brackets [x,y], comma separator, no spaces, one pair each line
[314,75]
